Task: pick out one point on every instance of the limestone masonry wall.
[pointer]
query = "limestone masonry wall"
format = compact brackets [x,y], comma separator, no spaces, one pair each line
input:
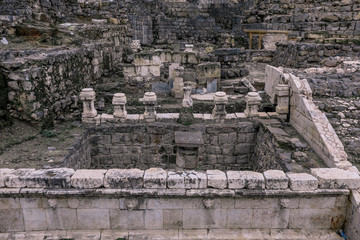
[50,81]
[226,146]
[133,199]
[307,55]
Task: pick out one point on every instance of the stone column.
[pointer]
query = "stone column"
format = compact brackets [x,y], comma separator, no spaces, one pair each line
[149,101]
[119,102]
[187,102]
[220,101]
[253,101]
[87,96]
[283,95]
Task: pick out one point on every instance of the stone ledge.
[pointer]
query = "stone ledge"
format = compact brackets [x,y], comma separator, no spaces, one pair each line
[157,178]
[208,192]
[280,234]
[330,178]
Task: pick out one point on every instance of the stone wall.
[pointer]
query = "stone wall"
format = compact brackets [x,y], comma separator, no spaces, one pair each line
[227,146]
[307,119]
[49,82]
[308,55]
[319,20]
[267,154]
[62,199]
[352,229]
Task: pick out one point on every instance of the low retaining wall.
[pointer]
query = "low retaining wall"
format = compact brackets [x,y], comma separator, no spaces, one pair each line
[307,119]
[62,199]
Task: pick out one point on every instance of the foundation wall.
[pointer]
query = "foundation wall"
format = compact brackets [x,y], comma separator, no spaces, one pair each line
[155,199]
[228,146]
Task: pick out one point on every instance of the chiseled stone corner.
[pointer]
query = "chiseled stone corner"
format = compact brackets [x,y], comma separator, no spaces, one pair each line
[195,180]
[155,178]
[50,178]
[216,179]
[235,180]
[253,180]
[176,179]
[3,173]
[302,182]
[88,178]
[124,178]
[276,179]
[336,178]
[16,178]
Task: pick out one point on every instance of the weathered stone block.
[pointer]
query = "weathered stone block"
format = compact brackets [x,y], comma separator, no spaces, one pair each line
[34,219]
[204,218]
[239,218]
[9,203]
[60,218]
[3,172]
[30,203]
[173,219]
[235,180]
[11,220]
[153,219]
[315,218]
[155,178]
[336,178]
[124,178]
[195,179]
[317,203]
[126,219]
[88,178]
[176,179]
[271,218]
[88,219]
[253,180]
[302,182]
[216,179]
[15,179]
[49,178]
[276,179]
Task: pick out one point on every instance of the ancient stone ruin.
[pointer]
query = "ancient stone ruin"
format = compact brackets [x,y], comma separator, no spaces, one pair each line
[180,119]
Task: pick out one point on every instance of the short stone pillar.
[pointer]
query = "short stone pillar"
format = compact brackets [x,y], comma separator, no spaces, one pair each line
[283,95]
[187,101]
[119,102]
[87,96]
[149,101]
[189,48]
[188,143]
[220,101]
[135,45]
[253,101]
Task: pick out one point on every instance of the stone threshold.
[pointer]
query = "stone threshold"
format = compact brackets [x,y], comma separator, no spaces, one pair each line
[239,234]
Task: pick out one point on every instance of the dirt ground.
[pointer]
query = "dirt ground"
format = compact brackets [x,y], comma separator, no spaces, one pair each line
[25,145]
